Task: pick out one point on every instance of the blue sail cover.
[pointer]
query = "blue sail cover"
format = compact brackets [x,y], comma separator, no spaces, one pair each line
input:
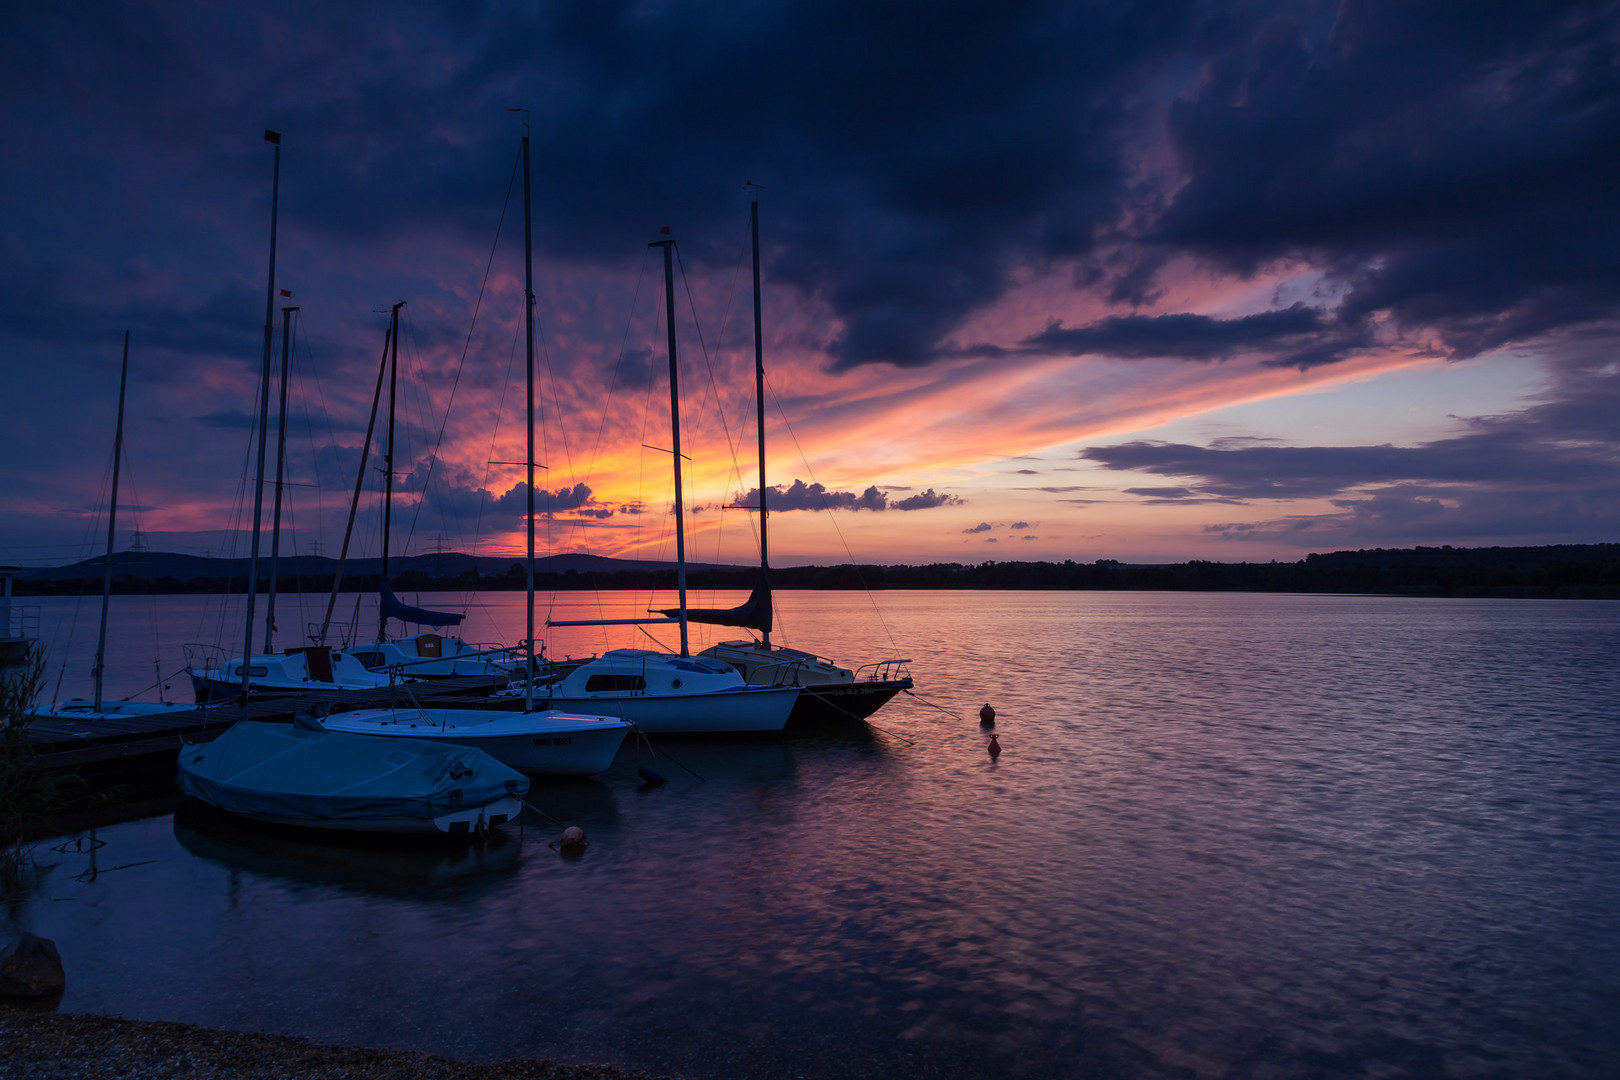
[752,614]
[393,608]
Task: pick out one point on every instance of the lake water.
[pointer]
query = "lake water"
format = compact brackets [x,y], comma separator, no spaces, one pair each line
[1229,835]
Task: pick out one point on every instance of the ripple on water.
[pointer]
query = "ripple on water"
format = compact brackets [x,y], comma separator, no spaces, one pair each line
[1228,835]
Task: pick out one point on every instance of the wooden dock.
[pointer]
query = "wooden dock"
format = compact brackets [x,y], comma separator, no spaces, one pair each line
[113,750]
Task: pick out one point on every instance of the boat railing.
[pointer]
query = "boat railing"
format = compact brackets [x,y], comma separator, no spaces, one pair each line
[22,622]
[340,629]
[547,673]
[883,671]
[785,673]
[206,658]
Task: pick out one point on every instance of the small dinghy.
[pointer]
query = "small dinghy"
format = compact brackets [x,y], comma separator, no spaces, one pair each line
[299,774]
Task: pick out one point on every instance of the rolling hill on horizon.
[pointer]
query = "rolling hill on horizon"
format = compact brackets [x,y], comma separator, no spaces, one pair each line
[153,565]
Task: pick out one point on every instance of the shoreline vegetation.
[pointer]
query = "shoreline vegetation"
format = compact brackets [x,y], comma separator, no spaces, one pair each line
[48,1045]
[1563,571]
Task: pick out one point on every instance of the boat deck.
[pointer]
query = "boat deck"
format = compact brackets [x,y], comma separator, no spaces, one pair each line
[111,749]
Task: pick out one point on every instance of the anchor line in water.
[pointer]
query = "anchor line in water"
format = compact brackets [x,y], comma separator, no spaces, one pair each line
[868,723]
[890,734]
[542,813]
[931,705]
[642,737]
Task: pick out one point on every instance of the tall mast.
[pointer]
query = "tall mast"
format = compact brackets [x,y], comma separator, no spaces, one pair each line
[388,458]
[264,420]
[528,327]
[112,518]
[281,457]
[675,430]
[759,389]
[359,482]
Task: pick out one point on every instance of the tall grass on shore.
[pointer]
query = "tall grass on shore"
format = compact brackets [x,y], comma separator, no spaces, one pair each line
[25,791]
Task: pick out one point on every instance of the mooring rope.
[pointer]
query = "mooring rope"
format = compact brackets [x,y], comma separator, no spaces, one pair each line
[641,738]
[931,705]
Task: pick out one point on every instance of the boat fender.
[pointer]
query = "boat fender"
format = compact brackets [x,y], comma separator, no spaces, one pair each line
[987,716]
[652,777]
[573,839]
[995,746]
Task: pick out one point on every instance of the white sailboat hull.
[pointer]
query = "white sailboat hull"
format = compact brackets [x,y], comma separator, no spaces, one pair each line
[537,744]
[737,712]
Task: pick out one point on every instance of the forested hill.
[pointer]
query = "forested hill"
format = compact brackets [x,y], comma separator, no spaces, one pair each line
[1565,570]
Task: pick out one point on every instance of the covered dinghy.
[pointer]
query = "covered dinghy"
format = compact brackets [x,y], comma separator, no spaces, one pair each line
[289,774]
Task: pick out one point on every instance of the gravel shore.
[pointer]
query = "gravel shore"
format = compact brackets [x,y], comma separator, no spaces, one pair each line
[59,1046]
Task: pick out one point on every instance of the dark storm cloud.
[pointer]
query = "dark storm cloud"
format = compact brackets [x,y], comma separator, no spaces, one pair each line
[943,147]
[462,504]
[1449,164]
[1303,472]
[1452,165]
[1184,336]
[802,496]
[229,419]
[1409,514]
[1428,174]
[1552,466]
[925,500]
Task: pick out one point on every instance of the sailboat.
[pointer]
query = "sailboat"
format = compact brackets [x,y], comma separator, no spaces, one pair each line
[99,708]
[316,669]
[426,655]
[303,775]
[547,742]
[664,693]
[831,692]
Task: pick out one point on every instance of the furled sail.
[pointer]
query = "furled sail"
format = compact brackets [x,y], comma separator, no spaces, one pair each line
[391,607]
[754,614]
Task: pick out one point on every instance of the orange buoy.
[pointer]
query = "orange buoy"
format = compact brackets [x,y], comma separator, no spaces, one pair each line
[995,746]
[573,839]
[987,716]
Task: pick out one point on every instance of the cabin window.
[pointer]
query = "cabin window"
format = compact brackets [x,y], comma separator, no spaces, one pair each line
[598,684]
[370,659]
[254,672]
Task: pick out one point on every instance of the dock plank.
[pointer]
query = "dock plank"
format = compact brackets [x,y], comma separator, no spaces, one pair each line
[111,749]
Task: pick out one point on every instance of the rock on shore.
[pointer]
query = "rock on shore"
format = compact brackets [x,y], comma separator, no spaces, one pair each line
[58,1046]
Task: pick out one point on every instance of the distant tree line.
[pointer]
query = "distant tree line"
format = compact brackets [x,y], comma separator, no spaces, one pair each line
[1561,570]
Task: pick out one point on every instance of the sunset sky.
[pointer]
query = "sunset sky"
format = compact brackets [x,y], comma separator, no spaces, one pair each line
[1147,282]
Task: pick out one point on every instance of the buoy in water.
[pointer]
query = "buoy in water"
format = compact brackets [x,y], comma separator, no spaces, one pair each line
[987,716]
[573,839]
[652,777]
[995,746]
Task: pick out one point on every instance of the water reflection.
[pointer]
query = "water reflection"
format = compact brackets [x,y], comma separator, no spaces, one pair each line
[1228,835]
[360,864]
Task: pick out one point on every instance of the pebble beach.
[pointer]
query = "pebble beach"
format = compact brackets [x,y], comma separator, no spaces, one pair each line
[60,1046]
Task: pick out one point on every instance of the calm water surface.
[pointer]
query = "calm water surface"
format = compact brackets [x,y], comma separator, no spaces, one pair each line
[1230,835]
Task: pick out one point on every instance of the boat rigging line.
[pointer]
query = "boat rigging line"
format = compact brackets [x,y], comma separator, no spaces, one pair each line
[478,305]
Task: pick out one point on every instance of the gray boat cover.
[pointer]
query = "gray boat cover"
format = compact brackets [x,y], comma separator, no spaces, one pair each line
[291,771]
